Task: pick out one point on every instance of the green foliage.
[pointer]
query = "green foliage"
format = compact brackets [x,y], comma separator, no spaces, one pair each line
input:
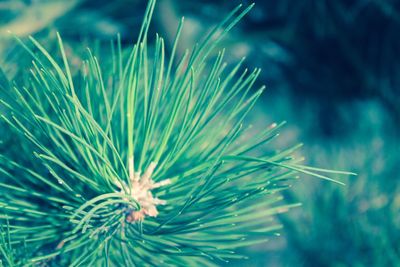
[139,157]
[355,225]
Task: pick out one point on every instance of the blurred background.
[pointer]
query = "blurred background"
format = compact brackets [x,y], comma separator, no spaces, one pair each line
[333,72]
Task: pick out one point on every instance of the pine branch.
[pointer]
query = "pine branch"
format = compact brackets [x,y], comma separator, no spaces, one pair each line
[141,158]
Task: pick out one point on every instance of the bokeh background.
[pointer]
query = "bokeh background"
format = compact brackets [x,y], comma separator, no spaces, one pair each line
[333,72]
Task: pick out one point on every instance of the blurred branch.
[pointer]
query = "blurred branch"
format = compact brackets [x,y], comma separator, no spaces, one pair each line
[37,16]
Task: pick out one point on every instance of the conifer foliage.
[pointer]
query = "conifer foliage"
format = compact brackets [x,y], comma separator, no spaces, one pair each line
[136,157]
